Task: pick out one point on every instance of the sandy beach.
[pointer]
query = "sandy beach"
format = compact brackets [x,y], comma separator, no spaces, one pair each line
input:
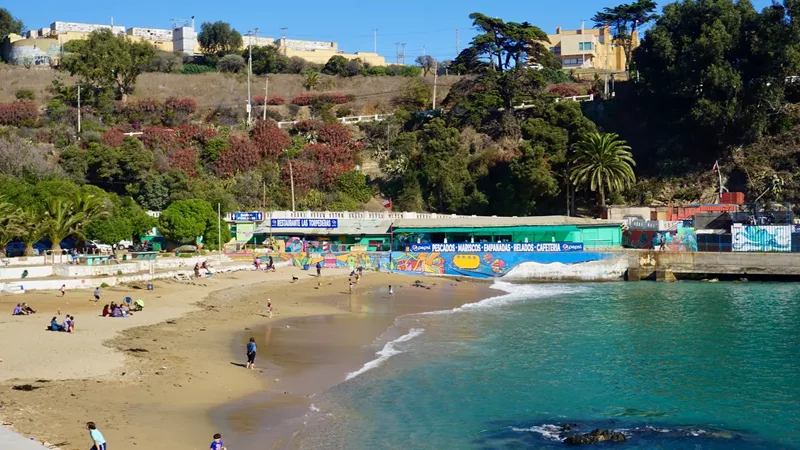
[172,375]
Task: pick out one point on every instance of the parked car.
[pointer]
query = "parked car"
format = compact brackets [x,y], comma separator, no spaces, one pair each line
[125,245]
[15,249]
[99,246]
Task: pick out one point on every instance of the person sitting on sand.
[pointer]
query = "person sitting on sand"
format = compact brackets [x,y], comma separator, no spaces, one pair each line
[116,312]
[18,311]
[106,311]
[197,270]
[71,324]
[27,309]
[54,326]
[67,325]
[138,305]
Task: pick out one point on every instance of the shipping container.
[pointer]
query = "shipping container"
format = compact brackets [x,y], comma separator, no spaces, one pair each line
[761,238]
[734,198]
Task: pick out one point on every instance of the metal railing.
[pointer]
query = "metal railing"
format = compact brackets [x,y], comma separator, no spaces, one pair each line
[346,120]
[385,215]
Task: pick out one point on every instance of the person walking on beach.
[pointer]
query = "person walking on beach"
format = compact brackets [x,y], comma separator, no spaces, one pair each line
[251,354]
[391,291]
[217,444]
[98,441]
[63,290]
[351,284]
[269,307]
[97,294]
[319,270]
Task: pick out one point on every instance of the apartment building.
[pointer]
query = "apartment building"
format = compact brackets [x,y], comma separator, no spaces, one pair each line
[592,48]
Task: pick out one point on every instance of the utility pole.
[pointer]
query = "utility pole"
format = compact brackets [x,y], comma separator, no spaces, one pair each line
[424,53]
[219,230]
[266,97]
[79,109]
[376,40]
[403,54]
[291,176]
[249,74]
[283,40]
[435,77]
[457,42]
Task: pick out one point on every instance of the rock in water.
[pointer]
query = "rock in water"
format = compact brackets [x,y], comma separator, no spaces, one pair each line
[595,437]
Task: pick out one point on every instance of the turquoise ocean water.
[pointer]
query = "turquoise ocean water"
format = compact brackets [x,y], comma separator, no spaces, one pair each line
[678,366]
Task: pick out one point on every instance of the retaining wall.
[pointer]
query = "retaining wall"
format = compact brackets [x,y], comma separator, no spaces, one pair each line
[712,263]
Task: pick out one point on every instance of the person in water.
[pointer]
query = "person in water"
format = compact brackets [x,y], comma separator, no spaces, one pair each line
[251,354]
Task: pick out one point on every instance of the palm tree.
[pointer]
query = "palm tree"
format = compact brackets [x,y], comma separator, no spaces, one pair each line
[89,208]
[605,162]
[62,220]
[34,228]
[10,224]
[311,80]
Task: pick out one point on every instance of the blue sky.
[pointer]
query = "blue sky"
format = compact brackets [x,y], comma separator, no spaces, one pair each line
[425,26]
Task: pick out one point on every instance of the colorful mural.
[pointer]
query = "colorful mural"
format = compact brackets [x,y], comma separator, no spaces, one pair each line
[761,238]
[479,265]
[681,239]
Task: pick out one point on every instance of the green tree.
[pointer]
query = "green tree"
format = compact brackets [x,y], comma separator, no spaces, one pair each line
[230,63]
[185,220]
[353,184]
[509,45]
[218,38]
[34,228]
[61,221]
[337,65]
[721,75]
[605,163]
[444,175]
[267,59]
[415,96]
[9,24]
[108,62]
[625,21]
[11,223]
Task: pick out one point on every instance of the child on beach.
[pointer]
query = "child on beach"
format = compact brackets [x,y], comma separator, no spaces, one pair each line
[269,307]
[251,354]
[391,291]
[351,285]
[97,294]
[63,290]
[319,270]
[98,441]
[217,443]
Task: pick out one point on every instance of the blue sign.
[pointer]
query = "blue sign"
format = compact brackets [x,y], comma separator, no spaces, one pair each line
[248,216]
[488,247]
[304,223]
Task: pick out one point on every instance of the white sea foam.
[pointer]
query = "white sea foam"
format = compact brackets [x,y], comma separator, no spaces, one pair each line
[514,293]
[314,408]
[386,352]
[551,432]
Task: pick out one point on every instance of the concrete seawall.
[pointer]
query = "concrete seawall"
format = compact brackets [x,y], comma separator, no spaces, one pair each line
[647,264]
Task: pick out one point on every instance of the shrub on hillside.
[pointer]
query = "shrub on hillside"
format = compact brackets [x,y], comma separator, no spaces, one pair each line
[18,114]
[230,63]
[337,98]
[184,159]
[241,155]
[191,69]
[302,99]
[563,90]
[113,137]
[183,105]
[25,94]
[274,100]
[269,139]
[306,126]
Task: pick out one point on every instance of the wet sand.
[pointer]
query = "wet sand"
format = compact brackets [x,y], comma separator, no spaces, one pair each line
[157,380]
[311,354]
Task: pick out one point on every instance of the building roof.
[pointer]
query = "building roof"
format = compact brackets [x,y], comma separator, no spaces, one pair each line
[441,224]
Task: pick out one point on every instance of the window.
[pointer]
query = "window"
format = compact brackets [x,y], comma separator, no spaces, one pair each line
[572,61]
[585,46]
[555,50]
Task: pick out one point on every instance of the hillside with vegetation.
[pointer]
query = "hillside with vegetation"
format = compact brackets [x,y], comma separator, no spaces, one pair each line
[711,81]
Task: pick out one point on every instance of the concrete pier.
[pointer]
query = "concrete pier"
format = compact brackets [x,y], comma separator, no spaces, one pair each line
[666,266]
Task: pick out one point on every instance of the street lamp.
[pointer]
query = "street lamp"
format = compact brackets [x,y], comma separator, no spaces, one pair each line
[291,175]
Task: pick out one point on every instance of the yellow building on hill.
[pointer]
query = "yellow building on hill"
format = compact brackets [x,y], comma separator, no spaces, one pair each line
[592,48]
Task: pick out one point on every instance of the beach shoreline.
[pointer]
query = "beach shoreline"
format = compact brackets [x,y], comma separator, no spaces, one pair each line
[153,380]
[306,361]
